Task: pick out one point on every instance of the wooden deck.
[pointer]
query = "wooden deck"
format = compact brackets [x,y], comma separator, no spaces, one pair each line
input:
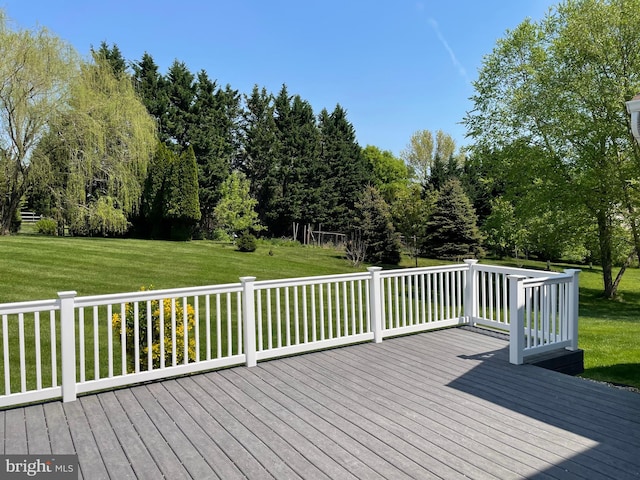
[444,404]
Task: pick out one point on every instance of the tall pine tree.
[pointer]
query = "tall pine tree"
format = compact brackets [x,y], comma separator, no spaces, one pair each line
[374,227]
[181,93]
[257,157]
[213,135]
[295,167]
[152,89]
[183,207]
[452,232]
[348,171]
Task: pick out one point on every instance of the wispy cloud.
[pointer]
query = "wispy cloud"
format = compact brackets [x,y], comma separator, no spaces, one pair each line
[445,44]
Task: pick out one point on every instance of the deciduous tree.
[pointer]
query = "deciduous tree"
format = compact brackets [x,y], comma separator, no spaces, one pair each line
[235,213]
[35,72]
[108,139]
[559,85]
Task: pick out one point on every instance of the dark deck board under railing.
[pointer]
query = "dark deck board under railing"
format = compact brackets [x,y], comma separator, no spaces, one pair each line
[445,404]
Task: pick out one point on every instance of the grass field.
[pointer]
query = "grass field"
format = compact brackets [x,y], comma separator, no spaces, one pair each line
[33,267]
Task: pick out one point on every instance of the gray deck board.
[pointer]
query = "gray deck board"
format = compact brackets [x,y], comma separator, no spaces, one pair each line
[91,465]
[37,434]
[503,447]
[163,456]
[444,404]
[138,456]
[15,432]
[58,430]
[111,451]
[175,438]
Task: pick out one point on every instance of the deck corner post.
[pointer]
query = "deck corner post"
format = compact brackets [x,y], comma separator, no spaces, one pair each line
[574,302]
[516,327]
[470,291]
[68,344]
[249,320]
[375,302]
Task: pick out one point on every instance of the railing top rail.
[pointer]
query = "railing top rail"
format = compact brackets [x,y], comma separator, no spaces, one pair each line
[144,295]
[29,307]
[536,282]
[399,272]
[292,282]
[516,271]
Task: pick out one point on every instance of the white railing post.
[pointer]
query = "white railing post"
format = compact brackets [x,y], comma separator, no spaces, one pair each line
[375,303]
[516,329]
[574,301]
[68,345]
[249,320]
[470,292]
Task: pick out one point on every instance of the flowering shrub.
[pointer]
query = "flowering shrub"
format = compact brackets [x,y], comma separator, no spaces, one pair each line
[143,345]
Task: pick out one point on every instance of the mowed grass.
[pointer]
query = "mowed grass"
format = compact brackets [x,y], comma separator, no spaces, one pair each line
[609,330]
[34,267]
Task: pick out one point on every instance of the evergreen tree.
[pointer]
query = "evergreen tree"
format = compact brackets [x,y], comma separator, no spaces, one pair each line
[348,171]
[296,169]
[308,174]
[452,232]
[213,135]
[156,192]
[183,206]
[152,89]
[373,226]
[438,174]
[181,92]
[257,159]
[113,57]
[411,210]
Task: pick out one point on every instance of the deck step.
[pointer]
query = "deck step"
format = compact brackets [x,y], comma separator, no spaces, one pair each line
[570,362]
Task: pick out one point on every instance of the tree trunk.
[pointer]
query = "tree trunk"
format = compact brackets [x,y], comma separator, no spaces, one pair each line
[7,213]
[616,282]
[606,260]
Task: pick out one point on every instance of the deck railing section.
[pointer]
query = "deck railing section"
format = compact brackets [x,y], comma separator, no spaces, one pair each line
[75,345]
[420,299]
[147,335]
[303,314]
[30,358]
[544,314]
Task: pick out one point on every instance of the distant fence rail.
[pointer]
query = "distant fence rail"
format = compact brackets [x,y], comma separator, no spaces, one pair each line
[72,345]
[29,217]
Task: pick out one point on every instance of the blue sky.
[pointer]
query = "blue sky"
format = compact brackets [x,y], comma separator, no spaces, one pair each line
[396,66]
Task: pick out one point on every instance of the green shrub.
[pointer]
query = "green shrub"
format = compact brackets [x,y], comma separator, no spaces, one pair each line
[47,226]
[220,235]
[246,242]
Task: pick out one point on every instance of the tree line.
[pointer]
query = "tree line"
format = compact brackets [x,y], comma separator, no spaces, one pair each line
[111,147]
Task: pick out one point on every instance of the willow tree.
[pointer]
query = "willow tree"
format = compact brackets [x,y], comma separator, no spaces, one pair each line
[35,72]
[558,86]
[108,138]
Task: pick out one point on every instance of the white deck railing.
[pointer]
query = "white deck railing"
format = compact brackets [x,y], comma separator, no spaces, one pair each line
[73,345]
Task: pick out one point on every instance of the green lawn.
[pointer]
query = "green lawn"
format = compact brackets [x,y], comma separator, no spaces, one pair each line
[33,267]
